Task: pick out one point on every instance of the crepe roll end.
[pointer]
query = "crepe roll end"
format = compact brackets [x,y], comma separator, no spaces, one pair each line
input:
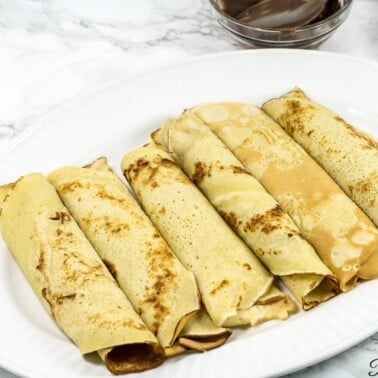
[205,342]
[160,136]
[174,350]
[100,164]
[311,289]
[260,313]
[157,138]
[201,334]
[132,358]
[325,290]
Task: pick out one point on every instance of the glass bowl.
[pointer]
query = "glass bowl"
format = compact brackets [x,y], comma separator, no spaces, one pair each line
[300,37]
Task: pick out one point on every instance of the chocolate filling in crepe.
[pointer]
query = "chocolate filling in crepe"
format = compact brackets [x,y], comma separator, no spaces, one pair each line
[246,206]
[231,279]
[70,279]
[343,236]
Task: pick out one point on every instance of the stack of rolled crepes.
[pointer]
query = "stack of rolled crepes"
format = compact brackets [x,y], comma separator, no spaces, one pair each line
[235,287]
[228,205]
[74,271]
[342,235]
[347,154]
[246,206]
[159,287]
[75,252]
[70,279]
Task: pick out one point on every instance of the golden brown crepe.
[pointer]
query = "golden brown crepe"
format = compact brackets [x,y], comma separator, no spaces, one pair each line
[162,290]
[347,154]
[229,276]
[246,206]
[70,279]
[340,232]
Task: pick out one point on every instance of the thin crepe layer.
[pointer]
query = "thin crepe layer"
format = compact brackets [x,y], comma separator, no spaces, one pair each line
[159,287]
[347,154]
[200,333]
[246,206]
[340,232]
[70,279]
[229,276]
[273,305]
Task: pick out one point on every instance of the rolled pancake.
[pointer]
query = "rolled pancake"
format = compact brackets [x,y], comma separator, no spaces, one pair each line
[229,276]
[70,279]
[247,207]
[162,290]
[340,232]
[347,154]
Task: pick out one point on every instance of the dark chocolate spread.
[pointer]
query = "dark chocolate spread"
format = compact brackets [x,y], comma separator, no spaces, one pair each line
[280,14]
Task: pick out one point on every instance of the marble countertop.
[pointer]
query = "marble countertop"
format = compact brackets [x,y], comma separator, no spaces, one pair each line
[54,50]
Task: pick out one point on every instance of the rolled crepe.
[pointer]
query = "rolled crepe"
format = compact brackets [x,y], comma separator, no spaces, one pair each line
[347,154]
[70,279]
[250,211]
[340,232]
[229,276]
[161,289]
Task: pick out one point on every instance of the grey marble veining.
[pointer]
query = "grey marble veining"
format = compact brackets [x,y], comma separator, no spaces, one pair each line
[54,50]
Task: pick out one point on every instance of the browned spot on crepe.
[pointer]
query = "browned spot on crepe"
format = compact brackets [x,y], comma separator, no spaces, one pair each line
[159,167]
[41,261]
[55,300]
[103,194]
[134,169]
[295,117]
[293,112]
[267,222]
[71,186]
[61,216]
[160,260]
[201,170]
[364,186]
[238,170]
[231,219]
[221,285]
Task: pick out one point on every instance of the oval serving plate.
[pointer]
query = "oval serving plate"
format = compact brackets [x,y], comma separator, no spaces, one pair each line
[119,117]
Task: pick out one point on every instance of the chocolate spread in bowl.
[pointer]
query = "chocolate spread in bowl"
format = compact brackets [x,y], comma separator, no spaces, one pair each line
[280,14]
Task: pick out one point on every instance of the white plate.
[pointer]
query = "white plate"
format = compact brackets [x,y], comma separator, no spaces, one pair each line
[115,119]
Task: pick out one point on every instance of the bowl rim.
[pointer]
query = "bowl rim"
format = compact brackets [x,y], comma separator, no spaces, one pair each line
[279,43]
[346,5]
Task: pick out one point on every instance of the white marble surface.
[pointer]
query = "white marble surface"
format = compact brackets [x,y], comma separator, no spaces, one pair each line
[54,50]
